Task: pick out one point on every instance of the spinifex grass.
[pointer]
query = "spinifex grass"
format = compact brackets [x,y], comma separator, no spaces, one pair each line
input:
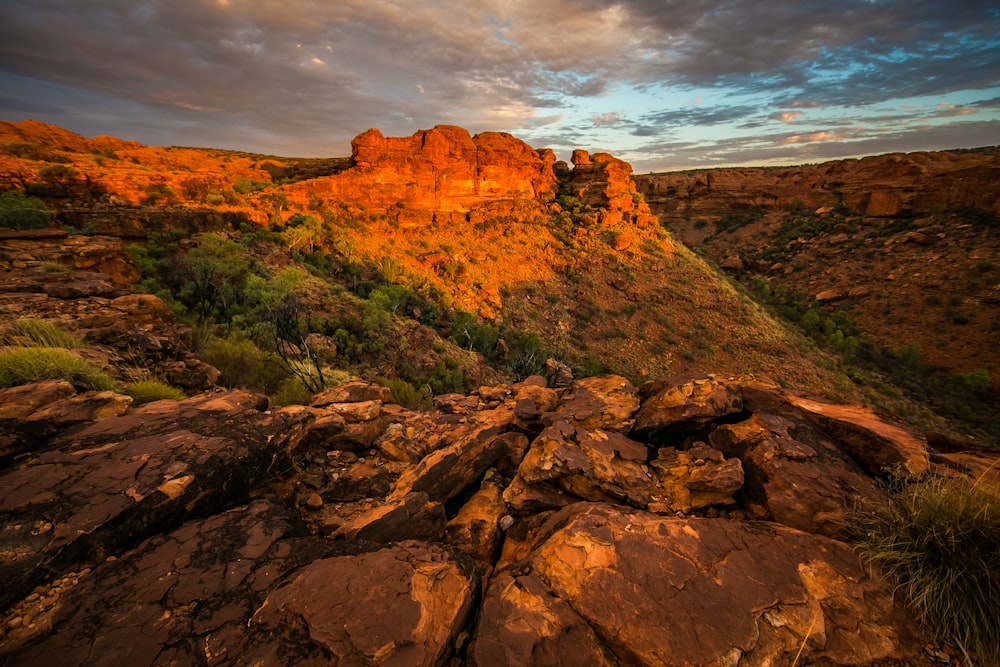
[147,391]
[24,365]
[44,334]
[939,541]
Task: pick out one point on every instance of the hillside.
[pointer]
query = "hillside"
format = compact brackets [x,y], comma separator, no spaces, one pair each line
[496,229]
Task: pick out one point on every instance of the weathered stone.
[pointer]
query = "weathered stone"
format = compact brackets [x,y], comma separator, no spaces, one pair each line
[521,496]
[829,295]
[630,588]
[475,530]
[352,392]
[110,483]
[594,465]
[455,404]
[693,479]
[803,480]
[410,517]
[17,435]
[446,471]
[525,624]
[597,402]
[90,406]
[404,605]
[327,425]
[685,402]
[355,412]
[356,437]
[875,444]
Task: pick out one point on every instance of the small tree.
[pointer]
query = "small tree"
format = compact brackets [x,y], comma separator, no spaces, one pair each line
[291,343]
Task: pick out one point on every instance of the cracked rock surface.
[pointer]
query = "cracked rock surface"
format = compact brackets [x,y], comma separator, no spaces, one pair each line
[693,521]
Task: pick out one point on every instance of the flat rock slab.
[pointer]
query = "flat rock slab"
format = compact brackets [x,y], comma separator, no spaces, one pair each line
[877,445]
[105,487]
[605,585]
[240,588]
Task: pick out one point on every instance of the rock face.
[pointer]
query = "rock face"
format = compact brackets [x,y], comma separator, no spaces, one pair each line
[442,169]
[885,186]
[694,521]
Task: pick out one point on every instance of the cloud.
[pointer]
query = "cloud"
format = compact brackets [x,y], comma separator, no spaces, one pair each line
[785,116]
[301,76]
[607,119]
[813,137]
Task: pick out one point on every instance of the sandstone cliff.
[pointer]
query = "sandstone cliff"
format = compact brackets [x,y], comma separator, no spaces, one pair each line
[882,186]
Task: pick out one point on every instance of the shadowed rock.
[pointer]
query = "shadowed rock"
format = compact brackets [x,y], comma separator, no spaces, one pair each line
[116,481]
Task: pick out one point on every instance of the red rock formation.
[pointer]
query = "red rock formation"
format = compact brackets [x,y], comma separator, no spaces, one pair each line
[603,181]
[443,169]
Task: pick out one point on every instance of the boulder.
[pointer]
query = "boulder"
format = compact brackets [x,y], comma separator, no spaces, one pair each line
[242,587]
[352,392]
[597,402]
[795,474]
[611,586]
[875,444]
[403,605]
[684,402]
[446,471]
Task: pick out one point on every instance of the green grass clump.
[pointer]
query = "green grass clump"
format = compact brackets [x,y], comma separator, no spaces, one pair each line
[45,334]
[147,391]
[24,365]
[939,541]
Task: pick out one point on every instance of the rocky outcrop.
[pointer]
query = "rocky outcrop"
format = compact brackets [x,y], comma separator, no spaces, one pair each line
[605,182]
[94,490]
[695,520]
[56,258]
[442,169]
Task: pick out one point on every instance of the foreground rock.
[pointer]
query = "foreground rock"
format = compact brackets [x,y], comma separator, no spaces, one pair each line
[524,524]
[242,588]
[607,586]
[101,488]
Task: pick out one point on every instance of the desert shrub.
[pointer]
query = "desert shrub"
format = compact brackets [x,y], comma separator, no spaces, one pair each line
[243,364]
[24,365]
[939,541]
[147,391]
[405,394]
[42,333]
[291,392]
[18,211]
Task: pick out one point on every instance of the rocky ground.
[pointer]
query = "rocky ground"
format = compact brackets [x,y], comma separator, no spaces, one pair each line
[694,520]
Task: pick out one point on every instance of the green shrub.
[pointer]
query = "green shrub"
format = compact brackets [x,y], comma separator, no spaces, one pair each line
[291,392]
[147,391]
[24,365]
[20,212]
[42,333]
[243,364]
[939,541]
[405,394]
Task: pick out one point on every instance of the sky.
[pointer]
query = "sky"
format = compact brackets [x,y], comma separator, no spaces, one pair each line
[663,84]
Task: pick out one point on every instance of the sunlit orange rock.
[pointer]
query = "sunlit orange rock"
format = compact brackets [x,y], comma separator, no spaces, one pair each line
[442,169]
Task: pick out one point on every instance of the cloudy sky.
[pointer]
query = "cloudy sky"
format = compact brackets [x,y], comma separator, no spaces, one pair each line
[664,84]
